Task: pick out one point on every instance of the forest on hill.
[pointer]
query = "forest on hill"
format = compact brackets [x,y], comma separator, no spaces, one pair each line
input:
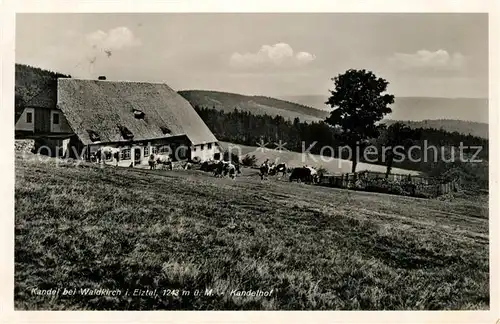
[35,87]
[449,125]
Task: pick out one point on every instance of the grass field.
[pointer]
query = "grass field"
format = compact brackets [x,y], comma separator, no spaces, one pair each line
[315,247]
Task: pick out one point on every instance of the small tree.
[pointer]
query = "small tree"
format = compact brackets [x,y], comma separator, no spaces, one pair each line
[397,134]
[249,160]
[358,104]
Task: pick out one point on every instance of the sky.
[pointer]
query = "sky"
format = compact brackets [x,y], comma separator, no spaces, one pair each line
[435,55]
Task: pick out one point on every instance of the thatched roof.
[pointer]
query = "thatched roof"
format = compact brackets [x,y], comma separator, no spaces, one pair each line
[108,109]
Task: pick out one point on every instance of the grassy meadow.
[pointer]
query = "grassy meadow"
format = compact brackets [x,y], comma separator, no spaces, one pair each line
[314,247]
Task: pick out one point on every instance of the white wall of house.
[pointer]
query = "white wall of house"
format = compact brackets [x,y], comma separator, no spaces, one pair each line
[127,156]
[27,120]
[204,151]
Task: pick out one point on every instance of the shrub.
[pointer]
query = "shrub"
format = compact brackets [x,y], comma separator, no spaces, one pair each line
[383,185]
[249,160]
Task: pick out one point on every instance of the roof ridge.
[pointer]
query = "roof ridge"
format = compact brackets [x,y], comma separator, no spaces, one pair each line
[115,81]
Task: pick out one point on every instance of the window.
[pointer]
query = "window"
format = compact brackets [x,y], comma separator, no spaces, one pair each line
[55,119]
[202,146]
[146,150]
[126,133]
[165,130]
[164,149]
[125,154]
[209,146]
[194,148]
[29,117]
[154,150]
[94,137]
[138,114]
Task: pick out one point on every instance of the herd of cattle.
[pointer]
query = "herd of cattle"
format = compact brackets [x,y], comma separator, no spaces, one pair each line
[299,174]
[219,168]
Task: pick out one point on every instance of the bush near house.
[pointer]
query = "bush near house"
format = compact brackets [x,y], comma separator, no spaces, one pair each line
[249,160]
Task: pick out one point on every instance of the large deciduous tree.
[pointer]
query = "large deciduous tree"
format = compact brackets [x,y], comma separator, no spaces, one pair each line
[358,103]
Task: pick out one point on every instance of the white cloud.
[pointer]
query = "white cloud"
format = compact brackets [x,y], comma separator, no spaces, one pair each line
[425,59]
[113,39]
[305,57]
[85,55]
[280,54]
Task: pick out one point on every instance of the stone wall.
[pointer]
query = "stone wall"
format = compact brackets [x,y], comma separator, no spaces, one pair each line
[24,145]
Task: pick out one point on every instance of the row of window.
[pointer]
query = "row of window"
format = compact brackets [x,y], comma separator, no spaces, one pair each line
[55,118]
[155,150]
[202,146]
[125,153]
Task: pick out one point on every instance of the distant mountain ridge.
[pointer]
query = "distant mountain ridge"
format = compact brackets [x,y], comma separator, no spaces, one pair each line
[257,105]
[418,108]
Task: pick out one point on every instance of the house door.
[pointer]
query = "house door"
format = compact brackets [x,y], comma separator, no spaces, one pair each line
[137,155]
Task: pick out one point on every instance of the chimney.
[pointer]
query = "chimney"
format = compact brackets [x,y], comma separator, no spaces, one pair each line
[101,77]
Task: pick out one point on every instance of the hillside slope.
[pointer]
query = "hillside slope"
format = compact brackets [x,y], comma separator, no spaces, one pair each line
[257,105]
[34,87]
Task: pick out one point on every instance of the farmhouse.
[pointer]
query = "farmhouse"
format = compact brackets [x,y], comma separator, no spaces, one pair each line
[140,118]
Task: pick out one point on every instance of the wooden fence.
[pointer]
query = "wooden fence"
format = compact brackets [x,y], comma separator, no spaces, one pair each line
[430,186]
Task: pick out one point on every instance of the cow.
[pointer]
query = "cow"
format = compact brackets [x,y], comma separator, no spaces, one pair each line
[224,168]
[208,166]
[278,168]
[305,174]
[163,159]
[231,170]
[219,169]
[264,169]
[106,152]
